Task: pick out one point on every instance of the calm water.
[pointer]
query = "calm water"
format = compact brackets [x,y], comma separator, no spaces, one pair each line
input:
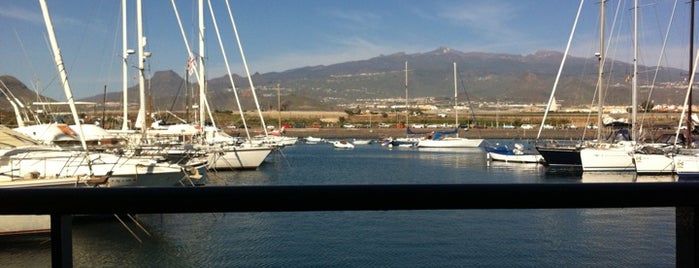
[459,238]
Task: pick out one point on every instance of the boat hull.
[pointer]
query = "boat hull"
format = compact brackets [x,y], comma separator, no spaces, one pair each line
[450,143]
[125,171]
[607,159]
[569,157]
[518,158]
[234,157]
[654,164]
[687,167]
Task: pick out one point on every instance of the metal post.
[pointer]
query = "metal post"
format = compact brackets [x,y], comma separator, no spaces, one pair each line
[61,240]
[686,236]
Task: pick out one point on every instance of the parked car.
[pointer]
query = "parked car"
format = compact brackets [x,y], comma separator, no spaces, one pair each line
[348,126]
[506,126]
[547,126]
[384,125]
[418,126]
[527,126]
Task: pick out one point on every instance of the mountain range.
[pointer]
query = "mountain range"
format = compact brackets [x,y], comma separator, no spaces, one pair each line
[482,76]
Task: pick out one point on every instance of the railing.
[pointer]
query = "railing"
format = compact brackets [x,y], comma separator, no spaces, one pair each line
[61,203]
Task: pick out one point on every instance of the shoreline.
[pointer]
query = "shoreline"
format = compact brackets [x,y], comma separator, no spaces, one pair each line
[486,133]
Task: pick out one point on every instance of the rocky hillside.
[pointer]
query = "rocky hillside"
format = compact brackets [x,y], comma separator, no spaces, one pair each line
[483,76]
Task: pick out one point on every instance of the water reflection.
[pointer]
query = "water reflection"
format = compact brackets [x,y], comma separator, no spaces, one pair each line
[618,177]
[515,167]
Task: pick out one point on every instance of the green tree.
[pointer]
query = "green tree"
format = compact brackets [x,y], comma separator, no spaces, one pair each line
[647,106]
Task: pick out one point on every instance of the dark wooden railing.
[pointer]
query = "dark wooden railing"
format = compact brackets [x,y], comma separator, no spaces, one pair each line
[61,203]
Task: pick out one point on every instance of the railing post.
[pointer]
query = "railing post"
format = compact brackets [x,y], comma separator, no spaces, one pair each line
[686,236]
[61,240]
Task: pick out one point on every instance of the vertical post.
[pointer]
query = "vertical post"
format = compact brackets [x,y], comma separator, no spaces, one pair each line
[61,240]
[141,69]
[202,72]
[686,236]
[691,68]
[124,68]
[279,107]
[600,73]
[407,108]
[104,107]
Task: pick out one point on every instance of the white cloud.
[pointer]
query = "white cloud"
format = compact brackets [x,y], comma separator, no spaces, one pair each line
[356,19]
[486,17]
[21,14]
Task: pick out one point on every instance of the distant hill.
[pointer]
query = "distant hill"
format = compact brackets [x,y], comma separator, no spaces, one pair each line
[483,76]
[18,90]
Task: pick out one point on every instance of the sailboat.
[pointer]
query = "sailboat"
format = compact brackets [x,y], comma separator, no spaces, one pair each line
[556,153]
[29,165]
[438,140]
[616,155]
[228,155]
[407,141]
[658,157]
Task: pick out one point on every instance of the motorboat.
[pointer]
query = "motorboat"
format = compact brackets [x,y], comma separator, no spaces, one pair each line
[343,144]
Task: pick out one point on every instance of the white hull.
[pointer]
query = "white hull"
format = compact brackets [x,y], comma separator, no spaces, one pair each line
[613,158]
[687,166]
[654,164]
[69,164]
[50,169]
[519,158]
[343,145]
[235,157]
[310,139]
[20,182]
[450,143]
[277,141]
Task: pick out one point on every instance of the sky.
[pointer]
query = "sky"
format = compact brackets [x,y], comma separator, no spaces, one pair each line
[278,35]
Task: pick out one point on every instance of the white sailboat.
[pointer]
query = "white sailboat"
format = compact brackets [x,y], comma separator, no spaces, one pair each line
[658,157]
[43,166]
[615,155]
[227,155]
[438,140]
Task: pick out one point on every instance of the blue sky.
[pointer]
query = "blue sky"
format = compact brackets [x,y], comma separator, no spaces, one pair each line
[278,35]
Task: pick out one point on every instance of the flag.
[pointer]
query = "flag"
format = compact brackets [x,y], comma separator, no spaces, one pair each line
[190,65]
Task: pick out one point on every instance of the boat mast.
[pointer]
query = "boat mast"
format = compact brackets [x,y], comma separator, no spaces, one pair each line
[279,107]
[407,108]
[141,68]
[245,66]
[691,50]
[202,73]
[18,114]
[456,103]
[600,73]
[634,78]
[124,68]
[560,71]
[58,59]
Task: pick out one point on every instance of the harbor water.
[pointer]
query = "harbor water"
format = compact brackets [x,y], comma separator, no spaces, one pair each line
[445,238]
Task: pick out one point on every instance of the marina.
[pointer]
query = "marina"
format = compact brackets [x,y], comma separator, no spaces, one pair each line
[542,238]
[330,189]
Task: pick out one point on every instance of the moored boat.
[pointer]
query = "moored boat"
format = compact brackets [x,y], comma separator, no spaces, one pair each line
[516,154]
[343,144]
